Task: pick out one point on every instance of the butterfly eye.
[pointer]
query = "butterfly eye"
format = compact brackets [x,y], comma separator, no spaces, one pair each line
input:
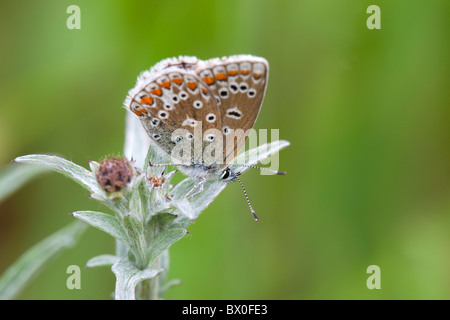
[225,174]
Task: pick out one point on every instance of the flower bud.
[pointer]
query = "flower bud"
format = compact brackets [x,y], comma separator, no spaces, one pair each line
[156,182]
[114,174]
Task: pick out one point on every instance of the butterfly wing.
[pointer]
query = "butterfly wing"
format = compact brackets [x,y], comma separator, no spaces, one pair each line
[238,83]
[172,103]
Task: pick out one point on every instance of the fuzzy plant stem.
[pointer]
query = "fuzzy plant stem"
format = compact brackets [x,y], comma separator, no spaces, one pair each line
[153,286]
[136,146]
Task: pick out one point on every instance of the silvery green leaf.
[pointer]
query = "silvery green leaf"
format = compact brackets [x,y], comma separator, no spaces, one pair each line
[139,200]
[255,155]
[198,203]
[103,198]
[104,260]
[181,222]
[128,277]
[137,240]
[163,241]
[164,262]
[133,222]
[14,176]
[105,222]
[75,172]
[184,207]
[94,165]
[169,284]
[165,221]
[36,258]
[121,249]
[156,156]
[161,222]
[137,141]
[211,190]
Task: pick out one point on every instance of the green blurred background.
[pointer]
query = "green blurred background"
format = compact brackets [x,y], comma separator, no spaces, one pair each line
[366,111]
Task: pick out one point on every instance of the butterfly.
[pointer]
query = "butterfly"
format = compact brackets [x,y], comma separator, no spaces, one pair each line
[200,112]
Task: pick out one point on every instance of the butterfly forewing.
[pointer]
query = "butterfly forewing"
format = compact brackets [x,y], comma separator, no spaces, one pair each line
[238,84]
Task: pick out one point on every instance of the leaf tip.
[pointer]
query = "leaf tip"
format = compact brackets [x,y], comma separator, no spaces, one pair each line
[15,160]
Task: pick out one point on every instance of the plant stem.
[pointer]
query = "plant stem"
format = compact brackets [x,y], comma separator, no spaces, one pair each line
[154,283]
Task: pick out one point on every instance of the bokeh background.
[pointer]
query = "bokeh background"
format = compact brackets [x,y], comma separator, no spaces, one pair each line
[366,111]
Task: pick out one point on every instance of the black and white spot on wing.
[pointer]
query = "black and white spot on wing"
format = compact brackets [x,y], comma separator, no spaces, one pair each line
[211,117]
[234,113]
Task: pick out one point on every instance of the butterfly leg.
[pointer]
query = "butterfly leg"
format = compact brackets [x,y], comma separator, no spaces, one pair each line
[199,185]
[166,164]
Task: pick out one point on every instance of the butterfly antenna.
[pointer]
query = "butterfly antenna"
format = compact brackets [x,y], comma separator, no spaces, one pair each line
[263,169]
[248,201]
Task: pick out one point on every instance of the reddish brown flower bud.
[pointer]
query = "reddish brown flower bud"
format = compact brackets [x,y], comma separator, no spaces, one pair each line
[114,174]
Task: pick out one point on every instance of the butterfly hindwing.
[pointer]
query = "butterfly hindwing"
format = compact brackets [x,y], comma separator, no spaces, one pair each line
[238,84]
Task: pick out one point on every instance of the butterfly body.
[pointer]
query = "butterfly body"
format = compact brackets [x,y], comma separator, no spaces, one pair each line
[208,172]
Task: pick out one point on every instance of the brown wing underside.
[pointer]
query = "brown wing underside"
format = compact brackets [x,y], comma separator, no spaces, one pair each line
[210,102]
[239,84]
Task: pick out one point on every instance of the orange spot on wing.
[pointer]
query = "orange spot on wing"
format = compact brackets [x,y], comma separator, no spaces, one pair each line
[139,112]
[165,84]
[245,72]
[157,92]
[192,85]
[204,91]
[257,75]
[147,100]
[221,76]
[208,80]
[232,72]
[177,81]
